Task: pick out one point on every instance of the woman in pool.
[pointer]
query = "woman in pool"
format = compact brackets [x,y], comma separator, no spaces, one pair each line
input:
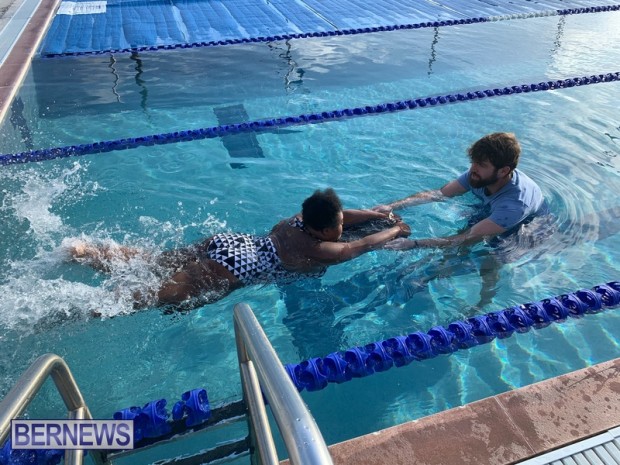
[303,245]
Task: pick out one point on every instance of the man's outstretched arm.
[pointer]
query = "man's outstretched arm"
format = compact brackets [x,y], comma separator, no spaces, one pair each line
[485,228]
[452,189]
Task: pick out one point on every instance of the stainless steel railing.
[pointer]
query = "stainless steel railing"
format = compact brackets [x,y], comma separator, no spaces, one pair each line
[29,384]
[260,366]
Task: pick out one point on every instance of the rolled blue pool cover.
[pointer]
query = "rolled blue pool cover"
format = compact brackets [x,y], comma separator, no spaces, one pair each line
[132,27]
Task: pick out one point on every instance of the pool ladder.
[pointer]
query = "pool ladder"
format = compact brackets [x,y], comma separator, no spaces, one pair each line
[29,384]
[261,373]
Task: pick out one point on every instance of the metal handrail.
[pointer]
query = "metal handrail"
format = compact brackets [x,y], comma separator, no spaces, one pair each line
[29,384]
[258,360]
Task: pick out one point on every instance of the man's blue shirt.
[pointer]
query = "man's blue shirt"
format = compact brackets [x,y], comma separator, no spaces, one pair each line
[517,201]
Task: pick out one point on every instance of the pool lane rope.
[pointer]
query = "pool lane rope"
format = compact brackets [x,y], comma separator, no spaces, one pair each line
[154,422]
[316,373]
[308,118]
[345,32]
[151,423]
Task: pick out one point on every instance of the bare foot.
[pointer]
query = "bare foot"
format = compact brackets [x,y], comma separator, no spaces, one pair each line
[79,249]
[84,252]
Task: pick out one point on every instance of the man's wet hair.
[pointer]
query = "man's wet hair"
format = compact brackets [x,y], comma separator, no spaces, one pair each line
[500,149]
[320,210]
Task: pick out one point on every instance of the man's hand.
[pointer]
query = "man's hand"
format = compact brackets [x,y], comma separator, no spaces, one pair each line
[383,209]
[400,244]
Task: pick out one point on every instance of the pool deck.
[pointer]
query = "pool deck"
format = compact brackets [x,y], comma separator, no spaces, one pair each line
[22,26]
[500,430]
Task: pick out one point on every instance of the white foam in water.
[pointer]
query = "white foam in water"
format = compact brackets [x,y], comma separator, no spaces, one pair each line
[29,299]
[32,296]
[33,205]
[159,230]
[35,288]
[40,192]
[41,285]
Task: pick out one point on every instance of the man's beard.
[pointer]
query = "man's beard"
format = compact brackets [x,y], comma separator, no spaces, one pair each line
[483,182]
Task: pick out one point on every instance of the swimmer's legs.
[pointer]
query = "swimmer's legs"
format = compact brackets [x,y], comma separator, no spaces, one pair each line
[489,273]
[193,277]
[99,256]
[204,278]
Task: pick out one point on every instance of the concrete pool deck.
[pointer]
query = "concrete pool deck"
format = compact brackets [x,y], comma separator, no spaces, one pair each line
[23,24]
[500,430]
[503,429]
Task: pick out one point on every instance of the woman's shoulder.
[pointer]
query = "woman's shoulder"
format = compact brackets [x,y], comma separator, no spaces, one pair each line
[285,223]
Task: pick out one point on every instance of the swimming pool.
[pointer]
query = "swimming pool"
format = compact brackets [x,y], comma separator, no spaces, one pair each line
[163,196]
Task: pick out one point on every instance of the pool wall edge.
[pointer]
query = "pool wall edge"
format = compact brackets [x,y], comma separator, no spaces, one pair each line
[502,429]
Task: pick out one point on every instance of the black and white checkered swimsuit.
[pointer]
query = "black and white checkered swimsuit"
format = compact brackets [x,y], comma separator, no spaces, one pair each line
[252,259]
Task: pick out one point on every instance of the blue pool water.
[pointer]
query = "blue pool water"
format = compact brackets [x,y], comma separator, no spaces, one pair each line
[163,196]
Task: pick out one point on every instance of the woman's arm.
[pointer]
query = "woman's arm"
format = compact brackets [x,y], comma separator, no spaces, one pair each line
[481,230]
[351,217]
[338,252]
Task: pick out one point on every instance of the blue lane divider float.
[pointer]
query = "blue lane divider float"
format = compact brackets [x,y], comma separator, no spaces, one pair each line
[316,373]
[10,456]
[153,420]
[150,421]
[364,30]
[193,406]
[309,118]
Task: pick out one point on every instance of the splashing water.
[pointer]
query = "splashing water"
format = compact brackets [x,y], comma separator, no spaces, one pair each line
[40,282]
[39,193]
[49,289]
